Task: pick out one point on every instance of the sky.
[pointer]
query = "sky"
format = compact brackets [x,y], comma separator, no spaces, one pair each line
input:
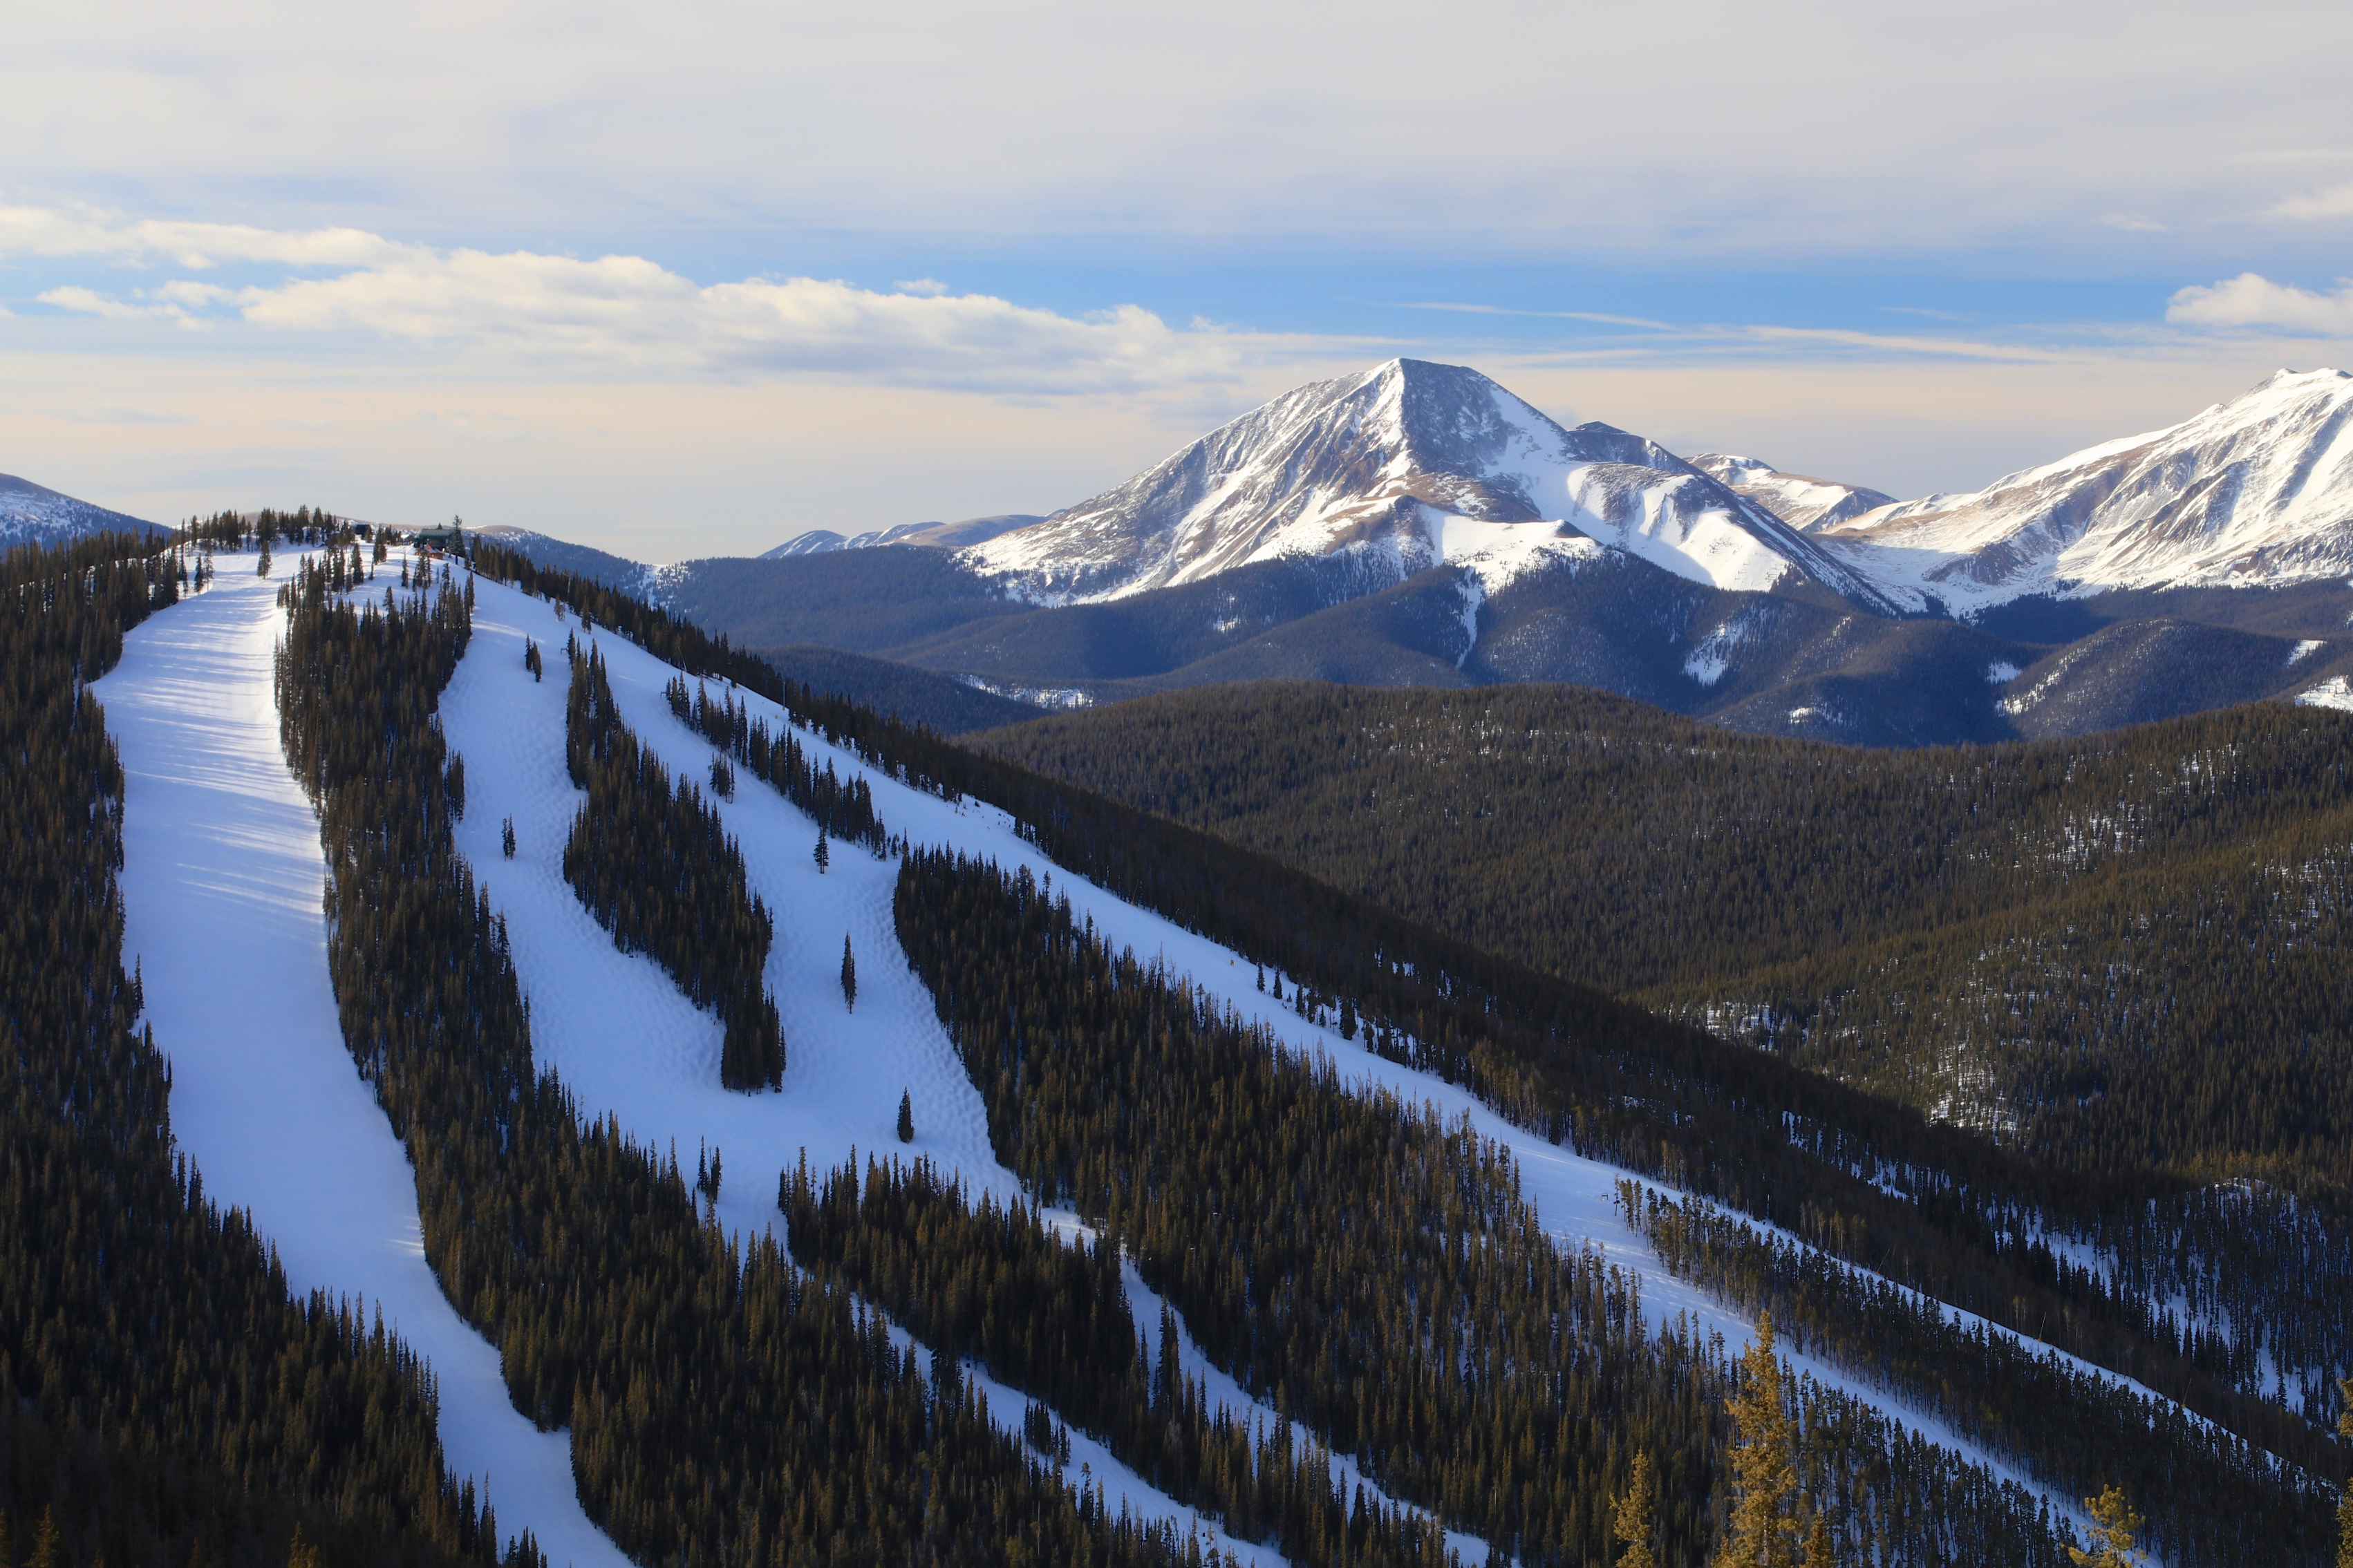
[691,280]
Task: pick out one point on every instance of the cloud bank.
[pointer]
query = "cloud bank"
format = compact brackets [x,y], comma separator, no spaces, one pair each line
[627,315]
[2251,299]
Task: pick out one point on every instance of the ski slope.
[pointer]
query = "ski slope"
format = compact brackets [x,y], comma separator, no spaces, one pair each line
[224,887]
[624,1039]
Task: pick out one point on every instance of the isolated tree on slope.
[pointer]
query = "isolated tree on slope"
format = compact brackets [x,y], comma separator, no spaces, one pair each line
[849,975]
[906,1116]
[1763,1464]
[2112,1512]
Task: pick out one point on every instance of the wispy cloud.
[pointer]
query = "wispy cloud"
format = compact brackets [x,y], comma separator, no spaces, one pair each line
[2251,299]
[2132,223]
[2336,201]
[631,315]
[1596,316]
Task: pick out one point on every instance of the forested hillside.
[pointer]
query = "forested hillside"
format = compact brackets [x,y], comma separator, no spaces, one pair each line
[2122,949]
[1941,1210]
[165,1401]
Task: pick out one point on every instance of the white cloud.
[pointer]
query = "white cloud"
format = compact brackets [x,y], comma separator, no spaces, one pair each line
[921,286]
[2251,299]
[2131,223]
[626,314]
[2335,201]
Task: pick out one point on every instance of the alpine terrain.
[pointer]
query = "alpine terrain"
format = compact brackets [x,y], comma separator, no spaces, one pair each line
[499,1075]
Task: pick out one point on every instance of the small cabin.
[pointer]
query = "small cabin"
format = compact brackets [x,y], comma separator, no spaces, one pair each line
[438,541]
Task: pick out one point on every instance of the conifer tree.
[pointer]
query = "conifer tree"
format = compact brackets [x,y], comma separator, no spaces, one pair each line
[2345,1503]
[824,857]
[302,1554]
[848,971]
[1764,1464]
[261,566]
[906,1116]
[506,837]
[1820,1552]
[1630,1521]
[2119,1525]
[46,1548]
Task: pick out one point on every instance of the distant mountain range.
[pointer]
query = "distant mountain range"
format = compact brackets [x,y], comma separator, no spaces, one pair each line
[1418,525]
[35,514]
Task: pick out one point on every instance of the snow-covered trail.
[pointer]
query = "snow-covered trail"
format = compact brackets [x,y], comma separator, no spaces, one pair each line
[619,1032]
[223,886]
[626,1041]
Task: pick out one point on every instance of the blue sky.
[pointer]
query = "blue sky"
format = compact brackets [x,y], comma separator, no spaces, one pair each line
[688,280]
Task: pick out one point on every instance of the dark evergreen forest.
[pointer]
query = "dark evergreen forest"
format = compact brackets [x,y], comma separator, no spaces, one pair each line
[167,1401]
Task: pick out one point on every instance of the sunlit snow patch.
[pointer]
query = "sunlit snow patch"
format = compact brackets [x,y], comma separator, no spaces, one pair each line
[2336,691]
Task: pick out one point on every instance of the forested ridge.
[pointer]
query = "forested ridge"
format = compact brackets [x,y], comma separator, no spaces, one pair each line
[2122,954]
[1933,1208]
[163,1400]
[725,1408]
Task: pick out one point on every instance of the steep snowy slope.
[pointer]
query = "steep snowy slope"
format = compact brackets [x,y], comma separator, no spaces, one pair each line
[34,514]
[1804,502]
[615,1029]
[2254,492]
[938,535]
[223,881]
[1412,464]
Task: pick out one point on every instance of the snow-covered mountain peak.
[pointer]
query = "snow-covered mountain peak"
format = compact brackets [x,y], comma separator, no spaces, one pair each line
[1377,464]
[2257,491]
[1802,500]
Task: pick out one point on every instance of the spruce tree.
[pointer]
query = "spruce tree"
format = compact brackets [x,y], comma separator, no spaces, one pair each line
[2119,1525]
[506,837]
[1764,1464]
[848,969]
[906,1116]
[824,857]
[1630,1521]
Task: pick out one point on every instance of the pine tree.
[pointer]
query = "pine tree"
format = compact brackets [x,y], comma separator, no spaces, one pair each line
[906,1116]
[506,837]
[2345,1503]
[46,1550]
[1764,1464]
[1820,1552]
[2112,1512]
[848,969]
[1632,1518]
[261,566]
[824,857]
[302,1554]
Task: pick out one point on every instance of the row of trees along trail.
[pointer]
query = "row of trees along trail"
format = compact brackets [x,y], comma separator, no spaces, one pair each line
[163,1401]
[726,1409]
[1371,1271]
[653,862]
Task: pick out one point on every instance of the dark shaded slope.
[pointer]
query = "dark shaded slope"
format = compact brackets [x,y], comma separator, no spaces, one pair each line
[911,696]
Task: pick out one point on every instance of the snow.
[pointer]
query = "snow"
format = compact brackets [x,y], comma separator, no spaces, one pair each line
[35,514]
[2255,491]
[1401,456]
[2304,650]
[1712,655]
[617,1031]
[2001,672]
[223,883]
[2337,691]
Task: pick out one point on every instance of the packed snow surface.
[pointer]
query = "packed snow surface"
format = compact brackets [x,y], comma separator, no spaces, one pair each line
[223,886]
[2336,691]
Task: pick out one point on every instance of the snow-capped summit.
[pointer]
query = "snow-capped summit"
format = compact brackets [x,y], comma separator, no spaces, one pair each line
[1408,465]
[35,514]
[2257,491]
[1802,500]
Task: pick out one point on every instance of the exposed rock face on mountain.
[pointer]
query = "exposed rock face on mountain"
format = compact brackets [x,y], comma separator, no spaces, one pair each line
[1409,466]
[35,514]
[1802,500]
[2255,493]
